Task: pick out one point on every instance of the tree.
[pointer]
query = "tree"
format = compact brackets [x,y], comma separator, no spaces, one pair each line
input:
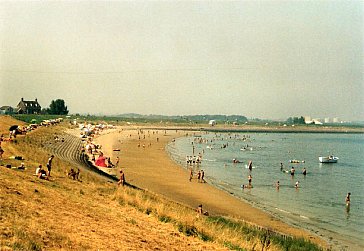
[58,107]
[296,120]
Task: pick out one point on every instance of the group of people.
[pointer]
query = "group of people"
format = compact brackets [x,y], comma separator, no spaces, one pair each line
[74,174]
[45,174]
[190,160]
[200,176]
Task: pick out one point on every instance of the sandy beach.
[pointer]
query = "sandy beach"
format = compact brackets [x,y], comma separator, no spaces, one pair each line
[149,167]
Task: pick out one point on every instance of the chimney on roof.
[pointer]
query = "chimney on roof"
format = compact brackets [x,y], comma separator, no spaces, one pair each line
[22,99]
[36,100]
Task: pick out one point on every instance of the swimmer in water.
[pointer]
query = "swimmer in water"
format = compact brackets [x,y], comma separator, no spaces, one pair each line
[297,184]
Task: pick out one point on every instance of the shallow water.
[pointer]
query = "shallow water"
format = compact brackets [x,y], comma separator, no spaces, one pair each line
[317,205]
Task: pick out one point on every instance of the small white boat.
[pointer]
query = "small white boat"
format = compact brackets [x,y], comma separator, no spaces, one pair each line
[328,159]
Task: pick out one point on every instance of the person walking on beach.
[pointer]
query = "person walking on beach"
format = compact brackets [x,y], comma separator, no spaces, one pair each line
[191,174]
[49,165]
[203,176]
[117,161]
[122,178]
[250,180]
[199,176]
[281,167]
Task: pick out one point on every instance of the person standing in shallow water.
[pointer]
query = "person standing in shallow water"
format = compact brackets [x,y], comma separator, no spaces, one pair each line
[347,199]
[292,171]
[304,172]
[250,165]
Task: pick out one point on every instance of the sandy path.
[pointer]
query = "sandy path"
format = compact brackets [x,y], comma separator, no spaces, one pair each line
[151,168]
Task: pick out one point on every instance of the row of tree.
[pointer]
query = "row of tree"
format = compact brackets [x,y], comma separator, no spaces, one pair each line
[58,107]
[296,120]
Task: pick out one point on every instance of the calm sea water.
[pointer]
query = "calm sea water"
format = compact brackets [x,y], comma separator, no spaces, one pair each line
[317,205]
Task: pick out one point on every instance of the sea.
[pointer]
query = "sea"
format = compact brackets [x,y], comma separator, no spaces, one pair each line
[318,204]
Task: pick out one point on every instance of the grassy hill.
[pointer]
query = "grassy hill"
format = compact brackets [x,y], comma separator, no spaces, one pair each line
[95,214]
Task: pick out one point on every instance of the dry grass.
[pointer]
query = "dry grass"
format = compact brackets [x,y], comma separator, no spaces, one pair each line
[190,223]
[63,214]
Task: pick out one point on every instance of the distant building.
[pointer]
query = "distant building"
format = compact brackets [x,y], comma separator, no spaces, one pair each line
[308,120]
[336,120]
[311,121]
[212,122]
[317,122]
[28,107]
[6,109]
[327,120]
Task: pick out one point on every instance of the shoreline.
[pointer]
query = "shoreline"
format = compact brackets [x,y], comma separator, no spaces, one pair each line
[151,168]
[260,129]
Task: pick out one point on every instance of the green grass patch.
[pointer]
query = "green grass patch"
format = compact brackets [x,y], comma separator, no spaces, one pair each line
[165,218]
[232,246]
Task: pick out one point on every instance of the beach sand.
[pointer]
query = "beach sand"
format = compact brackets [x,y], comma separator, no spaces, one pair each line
[152,169]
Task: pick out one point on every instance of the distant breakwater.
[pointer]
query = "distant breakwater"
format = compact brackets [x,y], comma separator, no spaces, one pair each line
[261,130]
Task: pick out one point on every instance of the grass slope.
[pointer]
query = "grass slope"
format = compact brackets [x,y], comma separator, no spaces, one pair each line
[94,214]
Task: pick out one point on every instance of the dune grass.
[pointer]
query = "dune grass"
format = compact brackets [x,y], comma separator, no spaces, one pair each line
[231,233]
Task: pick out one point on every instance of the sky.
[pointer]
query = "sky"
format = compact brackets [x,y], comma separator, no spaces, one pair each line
[260,59]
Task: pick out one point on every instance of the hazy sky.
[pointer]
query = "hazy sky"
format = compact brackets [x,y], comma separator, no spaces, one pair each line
[264,59]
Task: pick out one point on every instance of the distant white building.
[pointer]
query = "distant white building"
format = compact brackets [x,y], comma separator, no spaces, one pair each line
[317,122]
[308,120]
[327,120]
[212,122]
[336,120]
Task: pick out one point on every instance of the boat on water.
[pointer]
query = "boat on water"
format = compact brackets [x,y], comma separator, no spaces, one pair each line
[328,159]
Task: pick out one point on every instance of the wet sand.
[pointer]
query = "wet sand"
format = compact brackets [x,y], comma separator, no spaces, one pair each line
[151,168]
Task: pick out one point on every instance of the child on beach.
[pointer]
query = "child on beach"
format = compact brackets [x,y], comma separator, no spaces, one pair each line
[122,178]
[200,211]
